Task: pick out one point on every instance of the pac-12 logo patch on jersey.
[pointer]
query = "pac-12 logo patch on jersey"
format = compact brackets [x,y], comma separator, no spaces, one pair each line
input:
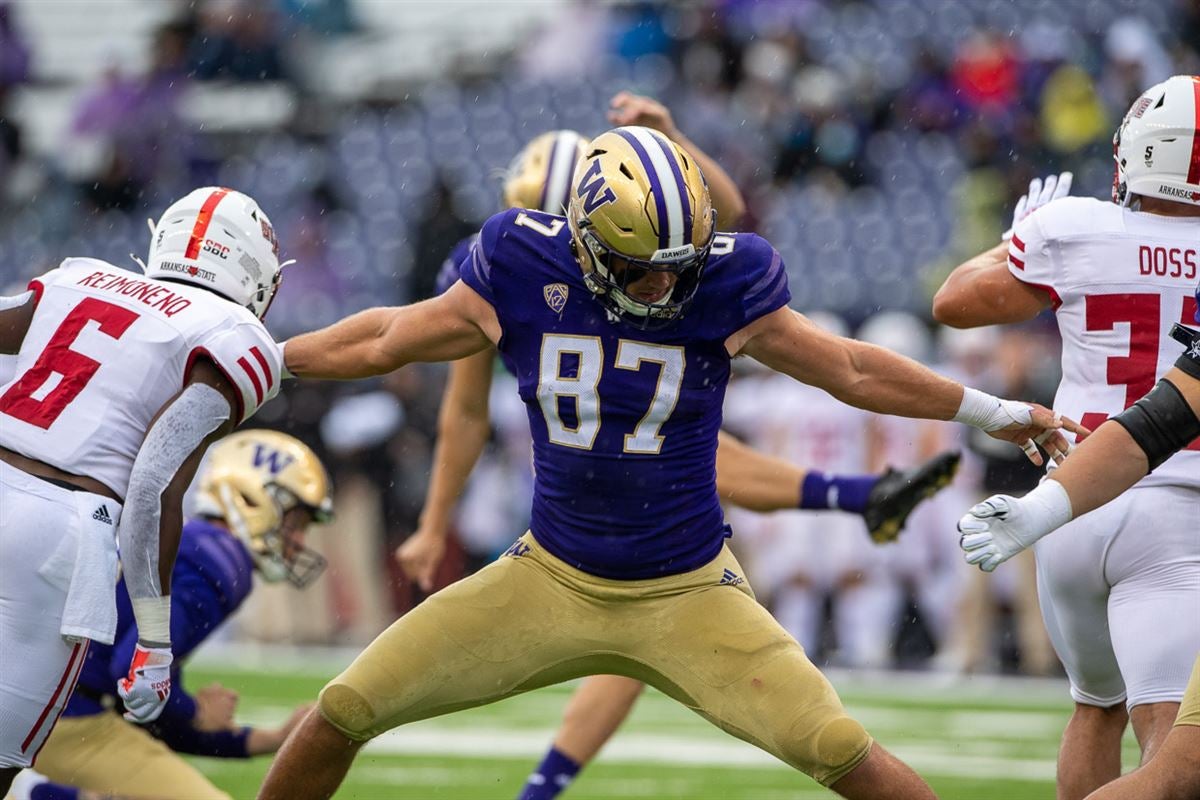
[556,296]
[592,189]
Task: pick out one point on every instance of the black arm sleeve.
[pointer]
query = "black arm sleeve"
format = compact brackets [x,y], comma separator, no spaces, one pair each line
[1161,423]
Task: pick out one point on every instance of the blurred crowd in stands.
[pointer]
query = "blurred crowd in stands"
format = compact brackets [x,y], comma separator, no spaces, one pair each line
[878,143]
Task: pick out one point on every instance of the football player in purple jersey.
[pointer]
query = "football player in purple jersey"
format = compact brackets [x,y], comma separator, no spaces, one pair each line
[620,322]
[539,178]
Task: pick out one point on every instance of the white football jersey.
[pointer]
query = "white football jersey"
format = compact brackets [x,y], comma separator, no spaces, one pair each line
[1118,280]
[106,350]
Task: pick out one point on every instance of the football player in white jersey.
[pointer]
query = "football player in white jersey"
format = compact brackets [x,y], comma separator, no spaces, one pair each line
[122,380]
[1119,587]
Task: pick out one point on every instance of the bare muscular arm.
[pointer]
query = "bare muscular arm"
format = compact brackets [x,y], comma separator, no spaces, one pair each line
[452,325]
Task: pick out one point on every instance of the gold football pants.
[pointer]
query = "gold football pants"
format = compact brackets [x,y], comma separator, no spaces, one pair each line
[106,754]
[1189,708]
[530,620]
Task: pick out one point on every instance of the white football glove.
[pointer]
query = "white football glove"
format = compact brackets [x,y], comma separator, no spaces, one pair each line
[1000,527]
[1040,193]
[148,685]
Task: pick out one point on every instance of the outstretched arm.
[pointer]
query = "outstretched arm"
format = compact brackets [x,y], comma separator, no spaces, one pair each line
[875,379]
[754,481]
[377,341]
[1115,457]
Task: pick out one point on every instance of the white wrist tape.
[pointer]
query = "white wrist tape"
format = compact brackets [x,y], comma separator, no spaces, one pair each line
[153,615]
[1043,510]
[989,413]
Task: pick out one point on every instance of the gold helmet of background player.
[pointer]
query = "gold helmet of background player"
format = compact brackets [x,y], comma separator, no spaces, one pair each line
[540,176]
[639,198]
[252,479]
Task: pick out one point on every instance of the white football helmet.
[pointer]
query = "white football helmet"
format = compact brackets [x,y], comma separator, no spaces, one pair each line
[1157,146]
[222,241]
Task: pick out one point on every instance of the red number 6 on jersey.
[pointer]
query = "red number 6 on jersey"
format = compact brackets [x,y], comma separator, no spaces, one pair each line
[75,368]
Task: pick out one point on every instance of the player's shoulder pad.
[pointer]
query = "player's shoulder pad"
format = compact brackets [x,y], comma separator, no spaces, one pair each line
[508,242]
[749,264]
[1069,216]
[246,355]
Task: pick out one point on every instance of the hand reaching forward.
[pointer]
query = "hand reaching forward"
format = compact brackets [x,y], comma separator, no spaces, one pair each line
[1039,426]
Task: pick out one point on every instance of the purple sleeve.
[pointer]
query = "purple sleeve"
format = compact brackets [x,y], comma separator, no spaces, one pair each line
[180,736]
[766,282]
[476,270]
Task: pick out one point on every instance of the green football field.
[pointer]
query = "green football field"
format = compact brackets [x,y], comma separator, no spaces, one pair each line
[977,739]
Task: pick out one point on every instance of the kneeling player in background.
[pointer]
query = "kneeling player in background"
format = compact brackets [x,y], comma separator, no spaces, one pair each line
[258,495]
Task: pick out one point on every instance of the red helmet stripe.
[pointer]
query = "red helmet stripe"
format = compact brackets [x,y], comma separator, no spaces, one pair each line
[1193,175]
[202,221]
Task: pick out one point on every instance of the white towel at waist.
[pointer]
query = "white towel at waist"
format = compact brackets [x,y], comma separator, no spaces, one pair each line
[85,566]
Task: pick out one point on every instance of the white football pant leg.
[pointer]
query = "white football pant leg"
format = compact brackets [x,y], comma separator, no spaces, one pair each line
[1154,608]
[38,668]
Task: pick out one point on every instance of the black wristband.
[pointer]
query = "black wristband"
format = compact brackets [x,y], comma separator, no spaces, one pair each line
[1189,362]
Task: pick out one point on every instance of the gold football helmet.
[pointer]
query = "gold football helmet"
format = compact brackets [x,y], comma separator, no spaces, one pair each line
[252,480]
[640,204]
[540,175]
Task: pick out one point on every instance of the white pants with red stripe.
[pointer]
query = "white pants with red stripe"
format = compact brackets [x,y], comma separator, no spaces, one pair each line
[38,667]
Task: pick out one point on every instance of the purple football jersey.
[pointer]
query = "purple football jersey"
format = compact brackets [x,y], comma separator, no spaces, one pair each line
[624,421]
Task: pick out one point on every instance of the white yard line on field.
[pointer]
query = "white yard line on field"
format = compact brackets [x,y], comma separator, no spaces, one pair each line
[422,739]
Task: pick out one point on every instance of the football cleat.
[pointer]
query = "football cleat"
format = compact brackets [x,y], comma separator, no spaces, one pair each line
[898,492]
[639,205]
[252,479]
